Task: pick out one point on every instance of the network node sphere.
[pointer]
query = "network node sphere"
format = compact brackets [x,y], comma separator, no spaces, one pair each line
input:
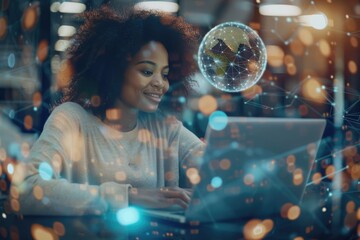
[232,57]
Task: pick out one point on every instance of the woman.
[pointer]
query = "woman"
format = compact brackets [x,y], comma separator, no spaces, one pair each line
[107,146]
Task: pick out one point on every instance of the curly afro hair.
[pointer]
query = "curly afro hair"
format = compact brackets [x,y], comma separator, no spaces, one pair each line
[100,50]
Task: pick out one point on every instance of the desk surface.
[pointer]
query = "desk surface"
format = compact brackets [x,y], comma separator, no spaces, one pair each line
[312,223]
[107,227]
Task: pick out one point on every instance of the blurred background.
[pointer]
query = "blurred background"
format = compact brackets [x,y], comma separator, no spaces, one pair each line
[312,72]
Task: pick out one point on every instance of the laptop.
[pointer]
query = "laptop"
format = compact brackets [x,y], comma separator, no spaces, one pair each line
[251,168]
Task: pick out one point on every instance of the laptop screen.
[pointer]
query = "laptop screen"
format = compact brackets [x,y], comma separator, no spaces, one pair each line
[255,167]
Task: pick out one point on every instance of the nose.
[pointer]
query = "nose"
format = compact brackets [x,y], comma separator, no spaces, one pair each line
[157,81]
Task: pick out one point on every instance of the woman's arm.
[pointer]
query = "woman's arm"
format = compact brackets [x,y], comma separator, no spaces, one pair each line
[182,152]
[54,179]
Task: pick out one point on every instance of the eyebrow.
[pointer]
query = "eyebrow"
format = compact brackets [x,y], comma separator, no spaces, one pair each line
[149,62]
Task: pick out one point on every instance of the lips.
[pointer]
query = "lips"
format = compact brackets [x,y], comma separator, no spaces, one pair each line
[155,97]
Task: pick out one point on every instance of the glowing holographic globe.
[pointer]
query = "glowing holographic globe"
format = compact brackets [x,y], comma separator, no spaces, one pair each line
[232,57]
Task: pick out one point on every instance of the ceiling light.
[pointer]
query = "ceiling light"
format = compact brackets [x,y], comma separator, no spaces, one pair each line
[66,31]
[54,7]
[318,20]
[61,45]
[165,6]
[279,10]
[72,7]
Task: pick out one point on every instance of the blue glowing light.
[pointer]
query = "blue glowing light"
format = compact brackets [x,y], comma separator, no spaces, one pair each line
[11,114]
[128,216]
[182,99]
[11,60]
[10,168]
[45,171]
[216,182]
[14,150]
[218,120]
[45,200]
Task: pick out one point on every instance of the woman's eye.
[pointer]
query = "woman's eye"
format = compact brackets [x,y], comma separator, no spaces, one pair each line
[165,76]
[147,73]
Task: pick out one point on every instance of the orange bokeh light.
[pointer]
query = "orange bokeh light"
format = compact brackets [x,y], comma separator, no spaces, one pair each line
[3,27]
[207,104]
[30,18]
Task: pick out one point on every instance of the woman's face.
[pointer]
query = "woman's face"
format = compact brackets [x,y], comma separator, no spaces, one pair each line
[146,80]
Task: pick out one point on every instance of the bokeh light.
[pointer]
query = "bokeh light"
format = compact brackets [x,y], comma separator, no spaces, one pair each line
[30,17]
[120,176]
[38,192]
[218,120]
[252,92]
[28,122]
[285,209]
[324,47]
[207,104]
[59,228]
[216,182]
[298,177]
[128,216]
[316,178]
[37,99]
[11,60]
[45,171]
[293,212]
[275,55]
[329,171]
[39,232]
[305,36]
[193,175]
[249,179]
[10,168]
[42,50]
[232,57]
[313,91]
[297,48]
[350,207]
[256,229]
[225,164]
[354,42]
[3,27]
[144,136]
[352,66]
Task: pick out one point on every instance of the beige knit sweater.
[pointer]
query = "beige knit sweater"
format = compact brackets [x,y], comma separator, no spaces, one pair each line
[81,166]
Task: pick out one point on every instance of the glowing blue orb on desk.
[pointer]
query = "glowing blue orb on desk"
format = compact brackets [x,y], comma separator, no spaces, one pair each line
[128,216]
[232,57]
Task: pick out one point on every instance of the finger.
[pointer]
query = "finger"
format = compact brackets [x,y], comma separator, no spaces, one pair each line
[181,194]
[177,201]
[188,191]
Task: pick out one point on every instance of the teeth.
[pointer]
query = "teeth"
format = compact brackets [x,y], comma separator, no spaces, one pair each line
[153,95]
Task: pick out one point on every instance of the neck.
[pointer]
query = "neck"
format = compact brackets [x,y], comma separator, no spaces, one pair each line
[122,117]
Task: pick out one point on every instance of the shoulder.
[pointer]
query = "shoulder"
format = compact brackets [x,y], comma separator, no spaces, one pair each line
[68,112]
[69,107]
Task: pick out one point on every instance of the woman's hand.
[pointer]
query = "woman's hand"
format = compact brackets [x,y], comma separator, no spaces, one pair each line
[164,197]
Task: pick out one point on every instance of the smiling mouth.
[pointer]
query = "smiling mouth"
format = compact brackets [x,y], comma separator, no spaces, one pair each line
[153,97]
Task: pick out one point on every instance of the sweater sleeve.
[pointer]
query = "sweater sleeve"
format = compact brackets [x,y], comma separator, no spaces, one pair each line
[190,156]
[53,179]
